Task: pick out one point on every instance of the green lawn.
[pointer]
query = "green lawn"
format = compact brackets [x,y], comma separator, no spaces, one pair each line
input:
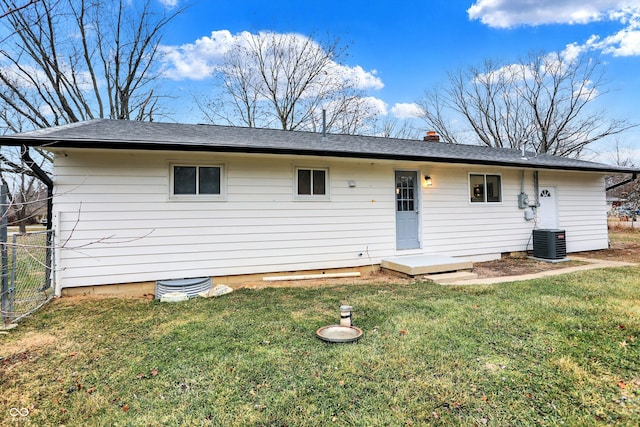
[561,350]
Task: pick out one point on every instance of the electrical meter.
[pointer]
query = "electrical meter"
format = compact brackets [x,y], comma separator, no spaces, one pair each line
[523,200]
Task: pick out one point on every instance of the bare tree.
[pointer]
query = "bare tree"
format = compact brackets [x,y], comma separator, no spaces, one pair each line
[17,8]
[625,189]
[546,101]
[65,61]
[71,60]
[285,81]
[27,196]
[388,127]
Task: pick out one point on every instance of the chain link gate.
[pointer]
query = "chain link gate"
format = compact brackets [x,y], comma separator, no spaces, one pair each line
[30,274]
[27,271]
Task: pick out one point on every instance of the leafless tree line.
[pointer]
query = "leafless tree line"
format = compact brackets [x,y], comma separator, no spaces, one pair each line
[64,61]
[286,81]
[545,101]
[71,60]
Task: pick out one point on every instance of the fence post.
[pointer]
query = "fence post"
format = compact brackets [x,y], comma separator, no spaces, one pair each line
[4,291]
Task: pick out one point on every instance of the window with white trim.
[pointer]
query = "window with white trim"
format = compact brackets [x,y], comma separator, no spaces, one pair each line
[196,180]
[485,188]
[312,182]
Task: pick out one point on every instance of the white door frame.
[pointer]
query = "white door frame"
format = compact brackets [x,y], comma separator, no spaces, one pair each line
[411,205]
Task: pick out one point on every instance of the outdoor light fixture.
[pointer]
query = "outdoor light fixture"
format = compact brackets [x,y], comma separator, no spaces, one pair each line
[428,181]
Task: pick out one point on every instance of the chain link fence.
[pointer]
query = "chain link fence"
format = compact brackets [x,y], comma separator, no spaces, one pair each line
[27,276]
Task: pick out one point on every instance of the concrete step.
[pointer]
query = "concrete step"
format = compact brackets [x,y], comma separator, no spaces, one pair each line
[448,278]
[417,265]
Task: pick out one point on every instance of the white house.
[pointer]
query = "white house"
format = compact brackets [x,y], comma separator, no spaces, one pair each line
[137,202]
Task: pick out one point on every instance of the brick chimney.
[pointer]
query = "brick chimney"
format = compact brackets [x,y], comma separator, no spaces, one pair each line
[432,136]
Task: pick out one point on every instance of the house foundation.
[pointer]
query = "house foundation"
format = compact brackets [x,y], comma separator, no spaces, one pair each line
[147,289]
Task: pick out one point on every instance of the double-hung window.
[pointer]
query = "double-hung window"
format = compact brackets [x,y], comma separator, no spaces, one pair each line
[485,188]
[311,182]
[196,181]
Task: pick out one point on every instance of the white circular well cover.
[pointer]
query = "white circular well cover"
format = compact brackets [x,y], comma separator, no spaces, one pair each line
[339,333]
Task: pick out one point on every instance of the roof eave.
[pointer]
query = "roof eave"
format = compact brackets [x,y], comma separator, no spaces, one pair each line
[140,145]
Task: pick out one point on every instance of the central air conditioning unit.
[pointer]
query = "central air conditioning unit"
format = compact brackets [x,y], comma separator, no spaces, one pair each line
[549,244]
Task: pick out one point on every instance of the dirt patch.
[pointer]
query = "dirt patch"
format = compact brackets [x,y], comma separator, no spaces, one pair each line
[23,350]
[31,341]
[517,266]
[625,250]
[624,246]
[628,251]
[365,279]
[619,251]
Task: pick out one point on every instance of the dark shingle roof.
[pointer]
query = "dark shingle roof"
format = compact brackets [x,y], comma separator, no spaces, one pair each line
[120,134]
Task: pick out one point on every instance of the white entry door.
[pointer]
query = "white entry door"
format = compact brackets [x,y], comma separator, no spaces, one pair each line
[548,210]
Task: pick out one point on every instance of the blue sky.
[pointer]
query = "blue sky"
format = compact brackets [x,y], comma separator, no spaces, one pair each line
[403,47]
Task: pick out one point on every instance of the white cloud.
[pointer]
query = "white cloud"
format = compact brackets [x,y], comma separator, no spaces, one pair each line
[406,110]
[376,105]
[360,78]
[32,77]
[169,3]
[197,60]
[200,59]
[624,43]
[512,13]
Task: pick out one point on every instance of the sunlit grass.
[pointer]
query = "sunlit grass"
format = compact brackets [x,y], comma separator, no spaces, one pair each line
[560,350]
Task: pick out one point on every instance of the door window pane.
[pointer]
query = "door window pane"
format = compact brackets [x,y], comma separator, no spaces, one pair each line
[405,195]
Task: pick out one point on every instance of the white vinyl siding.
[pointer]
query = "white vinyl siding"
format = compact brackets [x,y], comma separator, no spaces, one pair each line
[453,226]
[582,208]
[115,223]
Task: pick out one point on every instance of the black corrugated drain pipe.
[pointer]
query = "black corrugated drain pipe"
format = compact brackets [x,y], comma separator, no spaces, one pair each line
[42,176]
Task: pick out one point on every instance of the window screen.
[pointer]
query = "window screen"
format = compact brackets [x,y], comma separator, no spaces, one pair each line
[494,193]
[193,180]
[312,182]
[209,180]
[485,188]
[184,180]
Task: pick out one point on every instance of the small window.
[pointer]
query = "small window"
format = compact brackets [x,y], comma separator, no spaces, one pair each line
[196,180]
[311,182]
[485,188]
